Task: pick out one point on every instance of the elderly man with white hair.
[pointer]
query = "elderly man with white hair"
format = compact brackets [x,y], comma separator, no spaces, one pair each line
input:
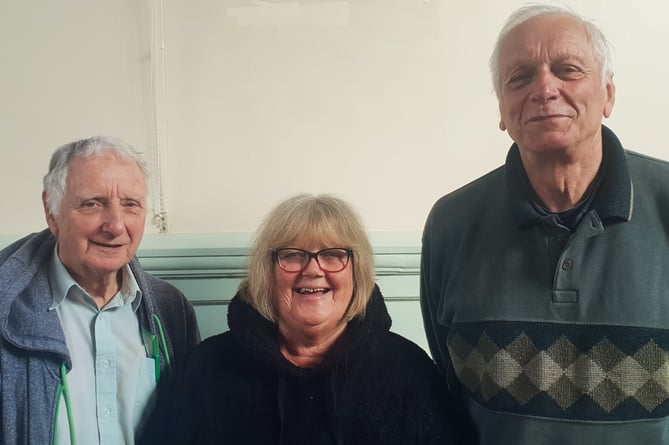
[545,283]
[85,333]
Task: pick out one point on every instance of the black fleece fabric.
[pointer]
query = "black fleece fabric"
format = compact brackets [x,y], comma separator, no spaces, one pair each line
[374,387]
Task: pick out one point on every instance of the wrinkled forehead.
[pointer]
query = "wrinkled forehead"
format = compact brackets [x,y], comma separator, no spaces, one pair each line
[547,37]
[106,167]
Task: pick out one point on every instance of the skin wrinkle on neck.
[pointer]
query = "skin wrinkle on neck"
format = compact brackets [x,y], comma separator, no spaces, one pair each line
[561,182]
[307,350]
[103,292]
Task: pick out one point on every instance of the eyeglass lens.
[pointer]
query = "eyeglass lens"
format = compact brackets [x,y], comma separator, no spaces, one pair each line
[296,260]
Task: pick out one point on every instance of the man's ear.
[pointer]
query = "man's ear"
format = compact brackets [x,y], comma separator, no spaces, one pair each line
[50,219]
[502,126]
[610,89]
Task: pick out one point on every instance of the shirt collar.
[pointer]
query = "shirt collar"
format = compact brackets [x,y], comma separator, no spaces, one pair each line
[61,282]
[612,198]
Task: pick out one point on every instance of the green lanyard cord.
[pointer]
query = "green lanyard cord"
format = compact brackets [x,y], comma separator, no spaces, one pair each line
[163,342]
[64,390]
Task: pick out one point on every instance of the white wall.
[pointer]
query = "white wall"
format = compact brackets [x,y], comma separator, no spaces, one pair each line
[69,69]
[385,102]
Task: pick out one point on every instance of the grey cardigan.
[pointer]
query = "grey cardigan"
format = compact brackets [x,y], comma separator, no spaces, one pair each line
[32,343]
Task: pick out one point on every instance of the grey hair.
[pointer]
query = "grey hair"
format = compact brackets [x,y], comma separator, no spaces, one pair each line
[55,181]
[600,44]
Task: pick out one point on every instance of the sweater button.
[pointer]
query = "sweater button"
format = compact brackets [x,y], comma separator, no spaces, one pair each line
[567,264]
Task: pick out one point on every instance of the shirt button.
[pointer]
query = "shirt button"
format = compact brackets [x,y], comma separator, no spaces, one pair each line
[567,264]
[106,363]
[107,411]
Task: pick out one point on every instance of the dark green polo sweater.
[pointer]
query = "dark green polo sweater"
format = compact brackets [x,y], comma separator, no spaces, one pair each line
[554,336]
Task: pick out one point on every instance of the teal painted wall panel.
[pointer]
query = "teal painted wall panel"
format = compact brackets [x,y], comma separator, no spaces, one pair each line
[399,287]
[208,268]
[213,319]
[205,289]
[407,321]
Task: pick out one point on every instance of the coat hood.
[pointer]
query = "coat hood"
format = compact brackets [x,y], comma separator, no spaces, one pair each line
[257,336]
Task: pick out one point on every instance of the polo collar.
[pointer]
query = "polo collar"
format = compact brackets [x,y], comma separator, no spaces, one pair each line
[613,200]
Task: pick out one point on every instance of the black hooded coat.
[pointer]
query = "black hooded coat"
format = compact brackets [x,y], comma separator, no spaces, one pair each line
[373,387]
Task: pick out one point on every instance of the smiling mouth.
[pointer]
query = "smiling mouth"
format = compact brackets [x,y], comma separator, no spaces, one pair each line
[311,290]
[545,117]
[108,246]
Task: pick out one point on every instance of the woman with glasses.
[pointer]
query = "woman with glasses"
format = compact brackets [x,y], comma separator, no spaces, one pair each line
[309,358]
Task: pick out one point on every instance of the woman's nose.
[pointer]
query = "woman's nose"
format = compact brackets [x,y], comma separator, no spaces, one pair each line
[313,268]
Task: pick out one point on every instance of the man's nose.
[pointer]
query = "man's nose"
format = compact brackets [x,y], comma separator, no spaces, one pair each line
[113,220]
[546,86]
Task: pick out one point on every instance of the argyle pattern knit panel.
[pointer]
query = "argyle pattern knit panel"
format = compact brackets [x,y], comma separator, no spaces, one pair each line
[563,370]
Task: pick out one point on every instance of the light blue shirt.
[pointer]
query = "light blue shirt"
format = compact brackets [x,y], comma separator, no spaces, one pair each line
[112,381]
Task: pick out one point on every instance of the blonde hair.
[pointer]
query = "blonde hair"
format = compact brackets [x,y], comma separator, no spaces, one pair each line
[308,218]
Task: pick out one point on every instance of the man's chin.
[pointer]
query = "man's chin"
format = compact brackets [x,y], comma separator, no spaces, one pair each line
[106,265]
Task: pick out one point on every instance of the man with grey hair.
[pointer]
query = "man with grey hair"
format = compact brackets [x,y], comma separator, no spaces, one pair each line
[545,283]
[85,333]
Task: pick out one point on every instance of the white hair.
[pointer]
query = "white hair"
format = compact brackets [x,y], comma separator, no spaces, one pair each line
[600,45]
[55,180]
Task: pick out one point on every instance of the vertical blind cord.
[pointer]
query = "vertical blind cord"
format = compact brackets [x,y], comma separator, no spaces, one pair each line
[159,116]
